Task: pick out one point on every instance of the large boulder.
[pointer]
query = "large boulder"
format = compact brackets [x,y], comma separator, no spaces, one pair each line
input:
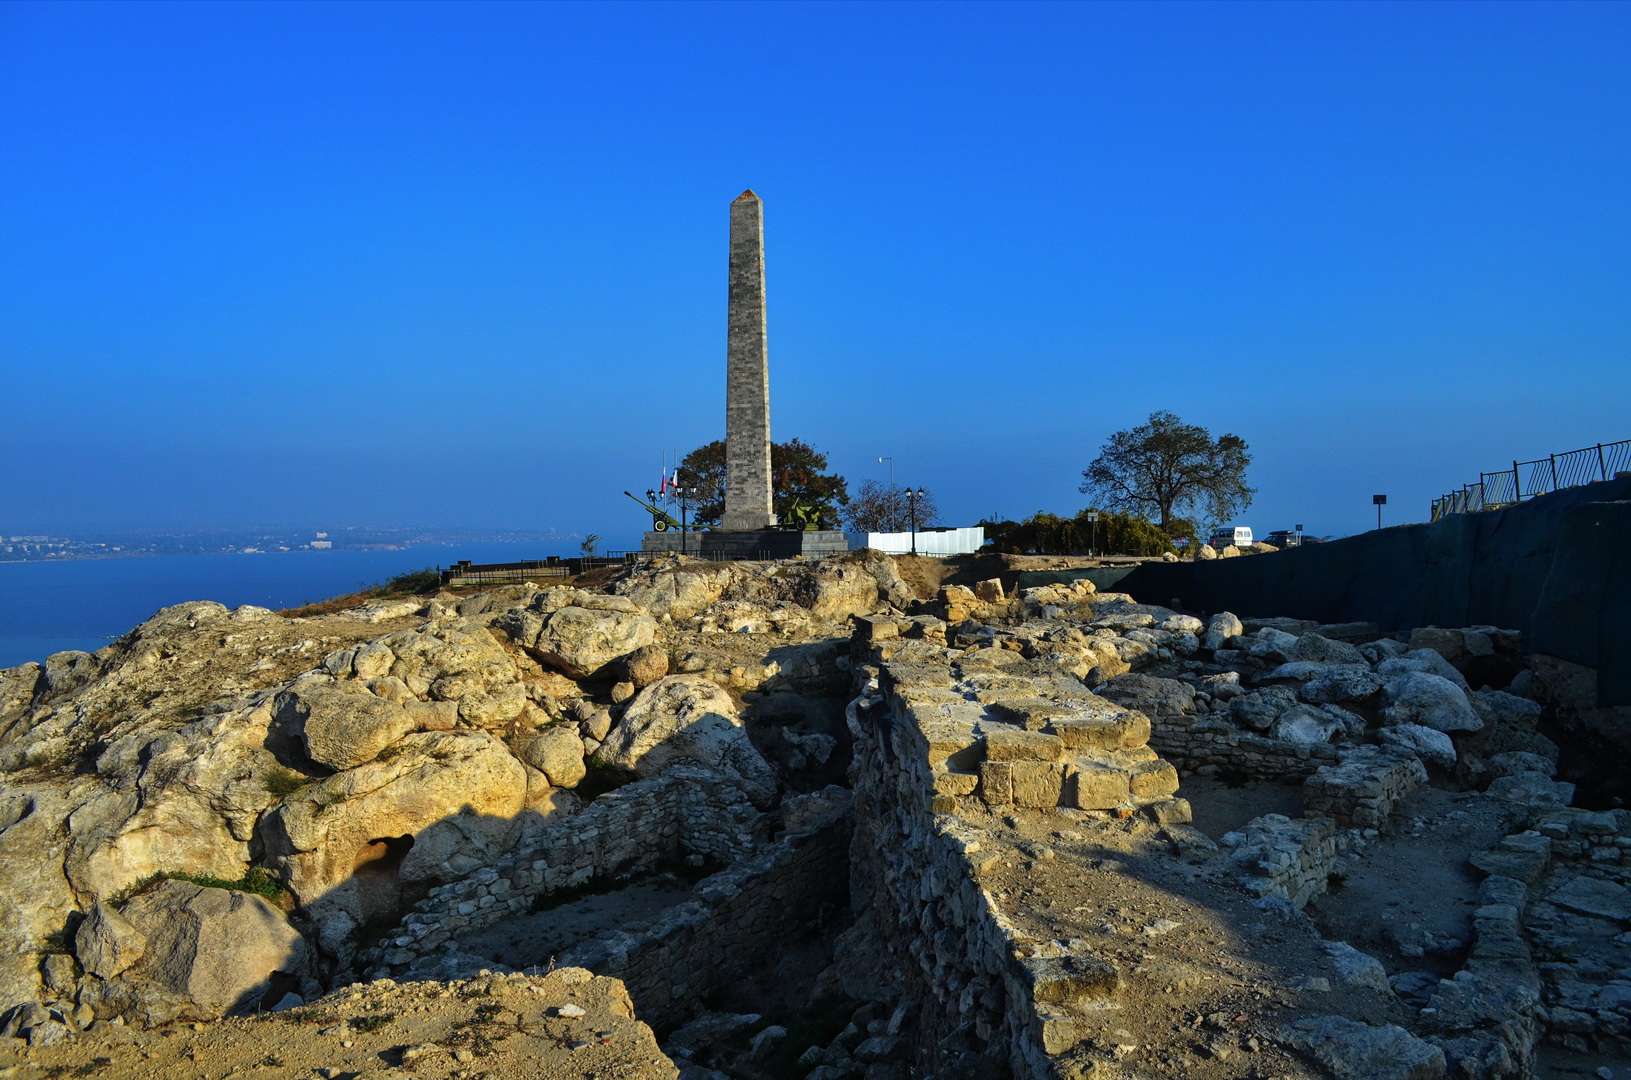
[1417,697]
[582,636]
[444,805]
[1344,682]
[1326,651]
[1426,660]
[341,726]
[217,949]
[1259,709]
[1432,746]
[1152,696]
[668,586]
[557,752]
[643,666]
[1222,628]
[686,718]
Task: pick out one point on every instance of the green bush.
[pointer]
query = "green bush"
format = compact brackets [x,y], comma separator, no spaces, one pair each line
[283,782]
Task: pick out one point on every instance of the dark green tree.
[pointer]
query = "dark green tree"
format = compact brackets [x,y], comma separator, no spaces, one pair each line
[796,473]
[1165,465]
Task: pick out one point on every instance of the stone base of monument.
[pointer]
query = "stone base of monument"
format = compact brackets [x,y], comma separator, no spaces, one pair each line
[758,544]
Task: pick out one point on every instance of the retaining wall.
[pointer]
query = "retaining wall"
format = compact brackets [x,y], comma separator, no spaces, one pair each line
[688,810]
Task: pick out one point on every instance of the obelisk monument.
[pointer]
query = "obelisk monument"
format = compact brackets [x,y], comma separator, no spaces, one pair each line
[747,375]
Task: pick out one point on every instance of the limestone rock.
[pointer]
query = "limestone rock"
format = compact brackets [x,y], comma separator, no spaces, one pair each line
[341,726]
[1221,629]
[557,752]
[107,943]
[1426,660]
[1417,697]
[1259,709]
[1340,683]
[1154,697]
[686,718]
[1274,646]
[218,949]
[1354,1051]
[582,637]
[1307,725]
[1431,745]
[1326,651]
[444,806]
[645,665]
[1206,553]
[1594,896]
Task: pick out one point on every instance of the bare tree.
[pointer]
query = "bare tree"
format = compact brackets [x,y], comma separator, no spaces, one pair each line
[876,508]
[1165,465]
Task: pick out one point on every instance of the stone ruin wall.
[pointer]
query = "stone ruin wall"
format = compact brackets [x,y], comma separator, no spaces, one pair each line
[720,936]
[920,751]
[688,810]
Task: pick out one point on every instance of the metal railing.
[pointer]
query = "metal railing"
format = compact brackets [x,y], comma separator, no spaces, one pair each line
[1526,479]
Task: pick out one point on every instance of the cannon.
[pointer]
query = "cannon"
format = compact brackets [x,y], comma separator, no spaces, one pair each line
[661,520]
[801,517]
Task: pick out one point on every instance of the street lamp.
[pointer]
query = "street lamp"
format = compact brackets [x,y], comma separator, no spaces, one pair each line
[911,507]
[1093,520]
[891,470]
[686,494]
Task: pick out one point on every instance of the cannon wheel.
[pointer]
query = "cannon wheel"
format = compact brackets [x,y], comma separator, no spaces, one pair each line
[659,525]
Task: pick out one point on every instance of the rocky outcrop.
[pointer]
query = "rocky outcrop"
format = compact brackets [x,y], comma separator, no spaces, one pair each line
[686,718]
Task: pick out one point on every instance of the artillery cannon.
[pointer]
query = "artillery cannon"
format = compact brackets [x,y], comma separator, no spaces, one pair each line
[801,517]
[661,520]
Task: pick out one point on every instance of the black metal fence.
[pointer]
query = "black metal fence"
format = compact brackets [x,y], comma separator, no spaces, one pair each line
[1526,479]
[516,573]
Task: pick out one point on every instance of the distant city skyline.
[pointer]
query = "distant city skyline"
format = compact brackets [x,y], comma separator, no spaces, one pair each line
[466,263]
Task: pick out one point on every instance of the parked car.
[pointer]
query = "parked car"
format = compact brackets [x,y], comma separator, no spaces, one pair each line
[1284,538]
[1240,536]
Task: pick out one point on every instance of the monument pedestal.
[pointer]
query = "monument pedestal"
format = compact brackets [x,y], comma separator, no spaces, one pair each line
[754,544]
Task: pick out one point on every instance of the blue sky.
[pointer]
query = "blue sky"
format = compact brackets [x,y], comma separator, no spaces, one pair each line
[465,263]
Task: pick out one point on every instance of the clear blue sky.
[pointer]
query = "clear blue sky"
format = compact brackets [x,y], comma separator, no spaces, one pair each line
[465,263]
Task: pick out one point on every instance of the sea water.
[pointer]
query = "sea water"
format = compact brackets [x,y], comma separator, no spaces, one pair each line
[46,607]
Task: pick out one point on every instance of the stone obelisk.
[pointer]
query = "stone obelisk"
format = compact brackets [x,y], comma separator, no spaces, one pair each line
[747,375]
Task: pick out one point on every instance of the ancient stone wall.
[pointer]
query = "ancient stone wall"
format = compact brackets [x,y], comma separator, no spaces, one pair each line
[920,750]
[1291,858]
[1219,744]
[724,933]
[1363,789]
[688,810]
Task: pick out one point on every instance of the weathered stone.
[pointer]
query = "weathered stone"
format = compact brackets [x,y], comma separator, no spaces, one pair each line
[1221,629]
[1075,981]
[1038,783]
[1593,896]
[107,943]
[217,948]
[342,727]
[557,752]
[683,718]
[1013,745]
[1417,697]
[1432,746]
[1100,787]
[645,665]
[1356,1051]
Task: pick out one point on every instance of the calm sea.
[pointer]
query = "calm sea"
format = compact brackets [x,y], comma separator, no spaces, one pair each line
[47,607]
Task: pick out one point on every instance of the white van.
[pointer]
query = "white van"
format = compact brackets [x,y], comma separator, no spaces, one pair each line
[1240,537]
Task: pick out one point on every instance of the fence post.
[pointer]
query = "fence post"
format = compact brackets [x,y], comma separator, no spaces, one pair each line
[1517,484]
[1554,472]
[1602,466]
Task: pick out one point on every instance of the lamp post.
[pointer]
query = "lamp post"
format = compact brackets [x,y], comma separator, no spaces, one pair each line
[1093,520]
[891,470]
[911,508]
[685,494]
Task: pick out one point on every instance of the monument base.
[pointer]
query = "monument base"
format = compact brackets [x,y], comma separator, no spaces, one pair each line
[757,544]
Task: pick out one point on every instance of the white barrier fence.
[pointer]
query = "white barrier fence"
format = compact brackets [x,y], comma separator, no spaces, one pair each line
[945,541]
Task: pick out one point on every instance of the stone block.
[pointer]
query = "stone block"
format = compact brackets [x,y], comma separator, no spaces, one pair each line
[1022,746]
[1170,812]
[1076,981]
[997,782]
[1038,784]
[1032,713]
[1154,779]
[949,739]
[955,783]
[1092,786]
[1083,733]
